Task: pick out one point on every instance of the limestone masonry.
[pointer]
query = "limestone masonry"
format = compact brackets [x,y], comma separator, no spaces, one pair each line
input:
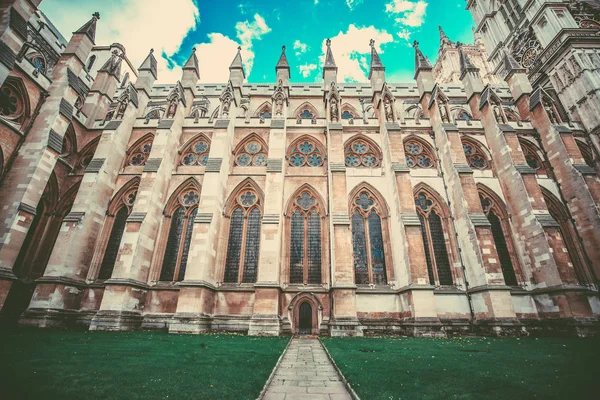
[466,201]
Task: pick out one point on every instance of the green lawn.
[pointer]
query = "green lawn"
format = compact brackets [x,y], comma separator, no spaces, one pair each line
[135,365]
[469,368]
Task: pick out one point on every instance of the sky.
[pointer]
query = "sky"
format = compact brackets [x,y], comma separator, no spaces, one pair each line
[261,27]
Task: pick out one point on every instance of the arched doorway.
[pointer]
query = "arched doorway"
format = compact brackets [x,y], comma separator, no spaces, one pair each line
[305,320]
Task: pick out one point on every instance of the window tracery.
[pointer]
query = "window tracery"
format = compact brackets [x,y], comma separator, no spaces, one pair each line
[476,158]
[367,240]
[196,153]
[418,154]
[139,154]
[305,240]
[183,211]
[532,157]
[251,153]
[433,228]
[306,114]
[496,215]
[241,264]
[13,107]
[586,152]
[38,62]
[306,153]
[360,152]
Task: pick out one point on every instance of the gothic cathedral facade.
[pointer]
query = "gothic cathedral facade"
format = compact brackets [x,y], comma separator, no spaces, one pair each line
[464,202]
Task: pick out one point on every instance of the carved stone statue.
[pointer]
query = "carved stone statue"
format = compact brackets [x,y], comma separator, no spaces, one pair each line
[226,104]
[172,109]
[121,109]
[548,106]
[498,115]
[279,106]
[333,105]
[389,113]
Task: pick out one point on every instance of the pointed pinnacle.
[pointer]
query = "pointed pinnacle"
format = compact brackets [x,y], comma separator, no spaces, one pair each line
[466,65]
[421,62]
[192,63]
[329,61]
[511,66]
[89,29]
[150,64]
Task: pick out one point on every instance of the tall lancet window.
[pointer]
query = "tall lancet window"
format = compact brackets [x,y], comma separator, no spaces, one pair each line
[498,217]
[241,265]
[117,215]
[432,229]
[367,240]
[181,227]
[305,240]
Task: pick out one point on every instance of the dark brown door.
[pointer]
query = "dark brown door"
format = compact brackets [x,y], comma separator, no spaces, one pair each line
[305,319]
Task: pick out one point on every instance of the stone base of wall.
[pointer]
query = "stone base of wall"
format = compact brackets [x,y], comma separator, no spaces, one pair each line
[274,326]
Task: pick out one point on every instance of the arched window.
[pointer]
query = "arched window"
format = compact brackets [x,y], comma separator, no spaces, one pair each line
[305,216]
[349,112]
[347,115]
[560,214]
[182,214]
[197,152]
[241,264]
[252,152]
[119,211]
[498,218]
[430,214]
[418,154]
[476,157]
[264,111]
[140,151]
[586,152]
[38,63]
[361,152]
[533,157]
[511,115]
[91,62]
[462,115]
[14,103]
[306,152]
[367,239]
[69,144]
[414,112]
[306,111]
[125,79]
[155,114]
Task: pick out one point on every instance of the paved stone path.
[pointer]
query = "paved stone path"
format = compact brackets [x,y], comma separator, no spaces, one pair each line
[305,373]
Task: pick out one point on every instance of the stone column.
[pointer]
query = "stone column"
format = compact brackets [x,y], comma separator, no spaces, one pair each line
[25,182]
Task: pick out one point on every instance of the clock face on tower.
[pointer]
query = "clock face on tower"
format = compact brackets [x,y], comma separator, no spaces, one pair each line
[528,54]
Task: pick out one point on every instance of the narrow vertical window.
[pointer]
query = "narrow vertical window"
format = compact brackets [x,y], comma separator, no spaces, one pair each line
[367,241]
[433,230]
[179,238]
[241,265]
[305,241]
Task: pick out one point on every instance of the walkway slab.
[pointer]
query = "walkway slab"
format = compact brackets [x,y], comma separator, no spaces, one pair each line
[305,372]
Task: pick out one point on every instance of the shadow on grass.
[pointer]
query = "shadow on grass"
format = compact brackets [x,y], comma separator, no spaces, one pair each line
[469,368]
[134,365]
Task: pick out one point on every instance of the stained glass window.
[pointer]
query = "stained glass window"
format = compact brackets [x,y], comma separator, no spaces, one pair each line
[172,249]
[347,115]
[297,248]
[196,153]
[114,241]
[39,64]
[140,153]
[252,154]
[266,114]
[305,114]
[234,247]
[367,241]
[186,245]
[532,158]
[305,241]
[243,251]
[360,153]
[418,155]
[252,246]
[508,270]
[475,156]
[306,153]
[432,231]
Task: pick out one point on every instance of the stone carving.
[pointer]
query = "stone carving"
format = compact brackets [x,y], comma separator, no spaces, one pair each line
[226,99]
[279,98]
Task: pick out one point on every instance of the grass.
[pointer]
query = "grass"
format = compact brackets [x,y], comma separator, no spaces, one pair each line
[469,368]
[134,365]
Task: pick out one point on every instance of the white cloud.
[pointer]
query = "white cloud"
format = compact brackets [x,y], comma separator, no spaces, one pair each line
[215,56]
[407,12]
[307,69]
[351,51]
[300,47]
[134,24]
[353,3]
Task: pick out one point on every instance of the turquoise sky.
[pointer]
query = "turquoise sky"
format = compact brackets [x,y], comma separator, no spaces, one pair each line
[261,27]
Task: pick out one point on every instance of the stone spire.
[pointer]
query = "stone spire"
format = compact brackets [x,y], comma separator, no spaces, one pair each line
[466,65]
[511,66]
[89,29]
[236,70]
[192,64]
[150,64]
[444,41]
[282,69]
[112,66]
[237,60]
[329,69]
[329,61]
[421,63]
[376,64]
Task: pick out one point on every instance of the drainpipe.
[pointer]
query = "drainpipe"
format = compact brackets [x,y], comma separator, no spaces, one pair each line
[462,263]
